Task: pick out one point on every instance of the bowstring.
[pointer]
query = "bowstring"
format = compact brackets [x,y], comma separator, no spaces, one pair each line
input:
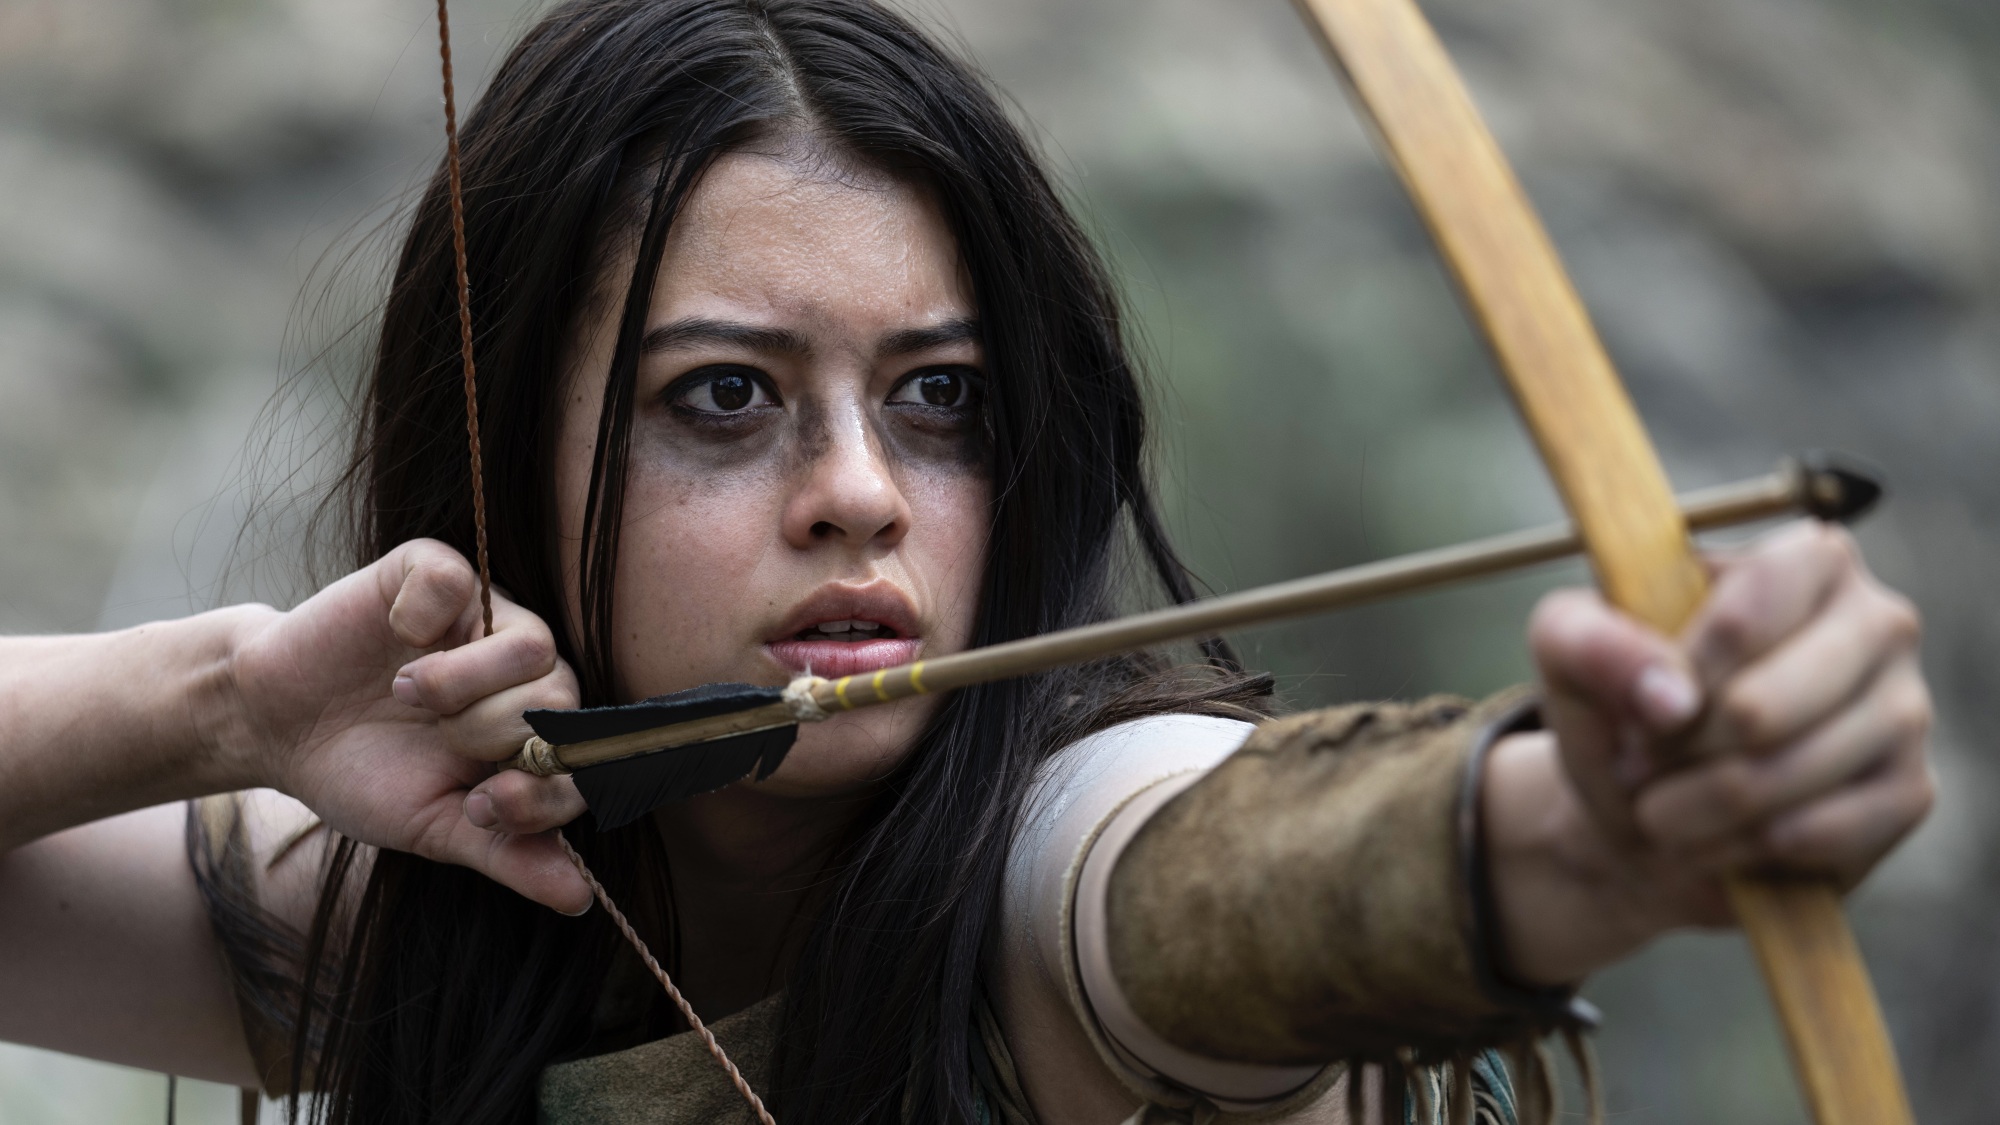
[708,1039]
[464,285]
[455,194]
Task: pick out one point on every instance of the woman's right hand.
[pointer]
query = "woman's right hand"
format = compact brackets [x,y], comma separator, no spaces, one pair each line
[379,704]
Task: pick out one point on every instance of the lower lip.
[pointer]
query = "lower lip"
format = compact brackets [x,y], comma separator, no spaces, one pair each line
[834,659]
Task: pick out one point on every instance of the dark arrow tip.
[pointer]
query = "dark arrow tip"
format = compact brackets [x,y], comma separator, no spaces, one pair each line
[1837,488]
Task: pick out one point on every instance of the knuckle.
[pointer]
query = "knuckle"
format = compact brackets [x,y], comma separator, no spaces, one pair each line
[1553,622]
[513,805]
[1737,790]
[1808,848]
[442,569]
[437,550]
[1923,793]
[1910,710]
[514,797]
[531,805]
[1733,626]
[1656,818]
[433,682]
[510,818]
[1823,548]
[454,693]
[1902,624]
[1746,715]
[565,677]
[536,649]
[1833,544]
[552,693]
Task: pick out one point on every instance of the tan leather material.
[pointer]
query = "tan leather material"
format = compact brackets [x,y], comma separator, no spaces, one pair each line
[671,1081]
[1307,900]
[674,1080]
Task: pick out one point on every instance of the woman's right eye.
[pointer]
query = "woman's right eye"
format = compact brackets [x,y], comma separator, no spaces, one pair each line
[720,390]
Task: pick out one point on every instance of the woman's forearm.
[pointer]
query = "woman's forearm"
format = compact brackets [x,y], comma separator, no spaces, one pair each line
[98,724]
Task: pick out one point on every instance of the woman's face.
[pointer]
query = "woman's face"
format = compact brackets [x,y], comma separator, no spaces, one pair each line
[807,487]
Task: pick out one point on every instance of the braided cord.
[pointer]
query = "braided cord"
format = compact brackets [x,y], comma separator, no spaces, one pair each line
[667,982]
[465,319]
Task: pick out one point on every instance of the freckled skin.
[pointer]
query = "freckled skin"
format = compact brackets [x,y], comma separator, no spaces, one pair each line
[728,527]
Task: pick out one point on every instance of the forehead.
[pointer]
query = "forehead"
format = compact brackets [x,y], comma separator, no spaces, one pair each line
[795,238]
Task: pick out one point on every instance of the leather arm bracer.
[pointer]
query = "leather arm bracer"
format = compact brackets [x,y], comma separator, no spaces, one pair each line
[1321,895]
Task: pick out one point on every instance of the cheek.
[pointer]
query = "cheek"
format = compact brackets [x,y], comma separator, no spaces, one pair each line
[951,514]
[696,539]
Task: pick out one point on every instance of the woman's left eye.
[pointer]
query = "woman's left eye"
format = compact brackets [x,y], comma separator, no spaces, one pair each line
[948,387]
[721,390]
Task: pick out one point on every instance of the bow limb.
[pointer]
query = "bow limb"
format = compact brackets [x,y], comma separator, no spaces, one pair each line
[1612,483]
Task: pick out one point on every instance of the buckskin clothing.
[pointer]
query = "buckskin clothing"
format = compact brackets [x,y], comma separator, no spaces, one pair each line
[1229,918]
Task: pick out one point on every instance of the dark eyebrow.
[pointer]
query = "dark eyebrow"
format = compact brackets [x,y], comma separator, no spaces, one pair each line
[699,330]
[909,340]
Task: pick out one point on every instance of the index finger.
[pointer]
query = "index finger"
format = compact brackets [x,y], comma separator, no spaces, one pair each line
[428,587]
[520,650]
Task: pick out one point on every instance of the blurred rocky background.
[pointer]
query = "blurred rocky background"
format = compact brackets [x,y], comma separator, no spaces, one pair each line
[1782,213]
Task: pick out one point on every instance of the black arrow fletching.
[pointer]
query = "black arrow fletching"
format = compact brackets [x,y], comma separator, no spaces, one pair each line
[621,791]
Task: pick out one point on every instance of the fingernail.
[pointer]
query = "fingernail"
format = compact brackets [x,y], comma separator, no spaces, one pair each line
[588,903]
[405,690]
[479,810]
[1666,697]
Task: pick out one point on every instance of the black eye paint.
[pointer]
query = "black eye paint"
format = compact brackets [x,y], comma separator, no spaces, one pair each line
[815,432]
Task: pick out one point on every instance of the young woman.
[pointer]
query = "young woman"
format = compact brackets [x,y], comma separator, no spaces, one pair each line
[791,358]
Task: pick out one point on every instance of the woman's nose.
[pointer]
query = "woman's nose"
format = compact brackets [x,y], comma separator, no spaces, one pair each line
[847,493]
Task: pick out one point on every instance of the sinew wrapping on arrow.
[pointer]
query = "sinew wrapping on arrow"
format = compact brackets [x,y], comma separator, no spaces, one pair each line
[1611,481]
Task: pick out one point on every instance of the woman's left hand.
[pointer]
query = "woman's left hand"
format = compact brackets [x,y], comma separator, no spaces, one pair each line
[1784,730]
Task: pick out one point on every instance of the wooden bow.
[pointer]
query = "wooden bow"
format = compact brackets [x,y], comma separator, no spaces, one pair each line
[1610,480]
[1596,449]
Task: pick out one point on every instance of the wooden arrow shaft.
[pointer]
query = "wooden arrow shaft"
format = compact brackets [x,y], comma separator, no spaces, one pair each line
[1611,481]
[1775,494]
[1791,489]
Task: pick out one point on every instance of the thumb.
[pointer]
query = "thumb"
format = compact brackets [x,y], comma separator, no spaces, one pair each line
[429,588]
